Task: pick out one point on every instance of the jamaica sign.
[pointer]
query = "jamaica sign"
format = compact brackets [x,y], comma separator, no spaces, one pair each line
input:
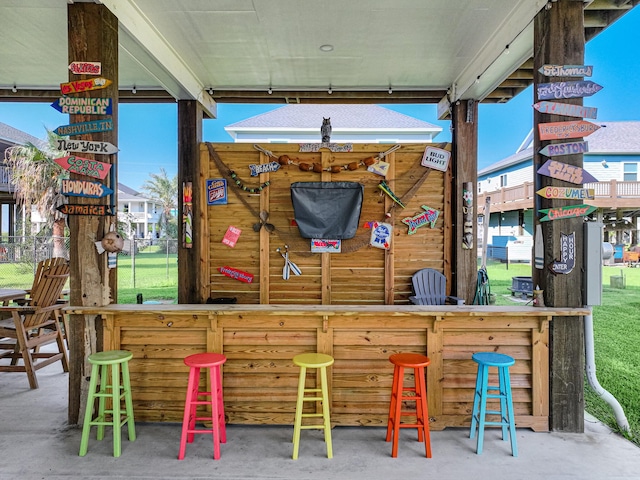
[97,210]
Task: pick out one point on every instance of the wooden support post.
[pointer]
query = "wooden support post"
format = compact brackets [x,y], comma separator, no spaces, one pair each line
[193,287]
[559,40]
[464,169]
[92,37]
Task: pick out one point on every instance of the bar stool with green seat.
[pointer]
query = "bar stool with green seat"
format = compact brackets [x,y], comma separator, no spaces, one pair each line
[318,361]
[112,388]
[503,389]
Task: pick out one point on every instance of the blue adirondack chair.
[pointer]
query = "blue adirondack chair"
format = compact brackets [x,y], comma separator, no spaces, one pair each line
[430,288]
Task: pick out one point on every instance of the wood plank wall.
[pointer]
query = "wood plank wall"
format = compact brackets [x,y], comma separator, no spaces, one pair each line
[360,274]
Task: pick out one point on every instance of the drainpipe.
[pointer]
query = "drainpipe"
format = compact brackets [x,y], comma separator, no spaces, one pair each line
[590,368]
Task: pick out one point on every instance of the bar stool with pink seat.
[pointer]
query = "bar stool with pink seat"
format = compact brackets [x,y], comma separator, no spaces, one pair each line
[212,361]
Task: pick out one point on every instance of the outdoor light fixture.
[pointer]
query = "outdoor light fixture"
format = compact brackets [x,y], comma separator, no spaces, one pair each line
[210,91]
[326,48]
[133,90]
[390,90]
[14,89]
[270,91]
[506,50]
[330,91]
[477,79]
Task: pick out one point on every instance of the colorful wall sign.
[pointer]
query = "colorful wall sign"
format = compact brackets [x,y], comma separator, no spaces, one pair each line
[84,166]
[566,70]
[86,68]
[567,254]
[566,172]
[86,146]
[98,210]
[570,211]
[83,106]
[571,148]
[334,147]
[556,108]
[428,217]
[84,188]
[467,215]
[187,215]
[217,191]
[386,189]
[561,130]
[381,235]
[236,274]
[436,158]
[550,91]
[78,86]
[263,168]
[231,236]
[323,245]
[85,127]
[567,193]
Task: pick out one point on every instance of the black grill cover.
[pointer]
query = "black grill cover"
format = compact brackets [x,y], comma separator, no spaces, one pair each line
[329,210]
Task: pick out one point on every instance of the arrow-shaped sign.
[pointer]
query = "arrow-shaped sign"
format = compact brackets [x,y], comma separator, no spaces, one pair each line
[566,172]
[566,70]
[86,146]
[555,108]
[551,91]
[571,148]
[86,68]
[561,130]
[85,127]
[83,106]
[567,254]
[84,188]
[567,193]
[71,209]
[78,86]
[84,166]
[570,211]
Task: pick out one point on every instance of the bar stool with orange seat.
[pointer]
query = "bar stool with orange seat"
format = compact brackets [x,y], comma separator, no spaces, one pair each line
[213,362]
[418,363]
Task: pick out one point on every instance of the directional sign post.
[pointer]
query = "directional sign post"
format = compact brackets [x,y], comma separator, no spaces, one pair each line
[561,130]
[555,108]
[571,148]
[78,86]
[84,188]
[86,68]
[566,70]
[571,211]
[84,166]
[558,90]
[83,106]
[86,146]
[567,193]
[566,172]
[85,127]
[98,210]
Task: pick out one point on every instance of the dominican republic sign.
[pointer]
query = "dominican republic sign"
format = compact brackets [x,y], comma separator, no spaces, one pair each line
[567,254]
[561,130]
[567,193]
[86,68]
[571,148]
[566,172]
[84,166]
[566,70]
[100,210]
[78,86]
[84,188]
[86,146]
[570,211]
[550,91]
[555,108]
[85,127]
[436,158]
[83,106]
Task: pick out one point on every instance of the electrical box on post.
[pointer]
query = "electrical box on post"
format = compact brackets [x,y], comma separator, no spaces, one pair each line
[592,287]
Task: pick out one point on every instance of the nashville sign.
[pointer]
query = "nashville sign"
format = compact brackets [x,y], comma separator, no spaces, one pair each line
[84,166]
[78,86]
[571,211]
[560,130]
[566,172]
[84,188]
[83,106]
[566,70]
[571,148]
[555,108]
[86,146]
[70,209]
[567,193]
[86,68]
[85,127]
[550,91]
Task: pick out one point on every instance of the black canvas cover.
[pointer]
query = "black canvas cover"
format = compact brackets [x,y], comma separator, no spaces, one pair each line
[329,210]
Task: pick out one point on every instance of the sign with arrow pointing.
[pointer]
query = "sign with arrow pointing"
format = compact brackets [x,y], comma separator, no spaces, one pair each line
[558,90]
[567,193]
[566,172]
[566,70]
[84,166]
[85,127]
[86,146]
[571,148]
[98,210]
[83,105]
[86,68]
[567,254]
[84,188]
[555,108]
[561,130]
[570,211]
[78,86]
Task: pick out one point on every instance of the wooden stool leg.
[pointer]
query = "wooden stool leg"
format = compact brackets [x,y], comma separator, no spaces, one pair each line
[215,419]
[221,417]
[189,411]
[88,413]
[299,406]
[116,416]
[397,415]
[128,402]
[104,385]
[476,403]
[423,412]
[483,407]
[392,404]
[511,415]
[325,412]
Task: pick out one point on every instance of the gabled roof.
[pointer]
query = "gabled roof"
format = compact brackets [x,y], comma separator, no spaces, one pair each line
[10,136]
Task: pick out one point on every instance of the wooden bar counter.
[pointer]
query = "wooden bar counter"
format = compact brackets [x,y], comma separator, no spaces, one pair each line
[260,341]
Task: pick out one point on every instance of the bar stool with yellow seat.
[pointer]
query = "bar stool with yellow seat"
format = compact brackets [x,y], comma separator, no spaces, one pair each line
[418,363]
[113,389]
[318,361]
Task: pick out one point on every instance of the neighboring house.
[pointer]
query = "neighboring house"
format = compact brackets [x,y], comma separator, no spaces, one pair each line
[139,213]
[350,123]
[613,158]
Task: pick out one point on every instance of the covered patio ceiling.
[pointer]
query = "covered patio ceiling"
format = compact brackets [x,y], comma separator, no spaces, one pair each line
[292,51]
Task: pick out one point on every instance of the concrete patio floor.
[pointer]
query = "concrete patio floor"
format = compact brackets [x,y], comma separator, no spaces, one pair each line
[36,443]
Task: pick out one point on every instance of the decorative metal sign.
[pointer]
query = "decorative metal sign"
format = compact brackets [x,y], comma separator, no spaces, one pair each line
[561,130]
[571,211]
[381,235]
[236,274]
[566,172]
[263,168]
[436,158]
[567,254]
[428,217]
[334,147]
[83,106]
[217,191]
[551,91]
[84,166]
[323,245]
[86,146]
[187,215]
[84,188]
[571,148]
[566,70]
[86,68]
[98,210]
[567,193]
[78,86]
[85,127]
[555,108]
[467,216]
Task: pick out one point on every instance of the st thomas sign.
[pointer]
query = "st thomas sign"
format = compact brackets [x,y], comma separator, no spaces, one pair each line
[566,70]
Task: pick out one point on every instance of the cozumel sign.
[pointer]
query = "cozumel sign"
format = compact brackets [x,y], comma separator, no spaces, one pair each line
[84,166]
[570,211]
[566,193]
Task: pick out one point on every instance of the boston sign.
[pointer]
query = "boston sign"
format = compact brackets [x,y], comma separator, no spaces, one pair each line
[571,148]
[86,146]
[560,130]
[550,91]
[83,106]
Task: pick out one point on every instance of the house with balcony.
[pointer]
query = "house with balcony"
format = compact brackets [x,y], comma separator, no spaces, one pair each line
[613,159]
[139,214]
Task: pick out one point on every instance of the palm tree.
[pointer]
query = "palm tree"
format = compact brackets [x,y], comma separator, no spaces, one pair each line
[165,191]
[37,180]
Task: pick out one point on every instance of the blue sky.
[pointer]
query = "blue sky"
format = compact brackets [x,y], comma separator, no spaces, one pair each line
[148,133]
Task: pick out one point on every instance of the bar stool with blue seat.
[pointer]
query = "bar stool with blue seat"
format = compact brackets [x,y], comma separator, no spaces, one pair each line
[113,389]
[213,399]
[319,361]
[501,391]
